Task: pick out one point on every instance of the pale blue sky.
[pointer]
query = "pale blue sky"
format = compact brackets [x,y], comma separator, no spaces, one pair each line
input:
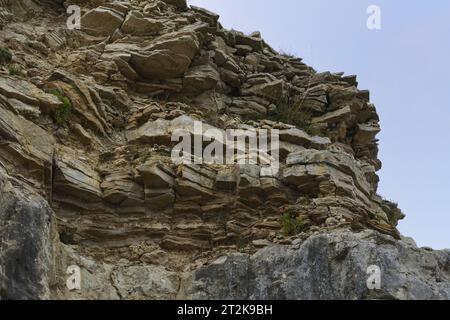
[406,67]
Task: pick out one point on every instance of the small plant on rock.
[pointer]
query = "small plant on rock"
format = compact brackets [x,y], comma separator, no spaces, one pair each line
[241,243]
[292,225]
[287,54]
[5,55]
[392,211]
[62,113]
[15,70]
[289,112]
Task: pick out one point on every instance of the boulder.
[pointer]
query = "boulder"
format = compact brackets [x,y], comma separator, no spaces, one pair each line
[200,78]
[210,17]
[248,107]
[334,116]
[136,24]
[169,57]
[366,133]
[101,21]
[256,43]
[179,4]
[265,86]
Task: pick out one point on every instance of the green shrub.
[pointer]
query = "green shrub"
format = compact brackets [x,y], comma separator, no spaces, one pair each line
[291,225]
[241,243]
[5,55]
[288,54]
[15,70]
[393,213]
[62,113]
[289,112]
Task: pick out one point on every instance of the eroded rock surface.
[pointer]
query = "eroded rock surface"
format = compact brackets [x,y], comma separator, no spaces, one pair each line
[86,124]
[27,236]
[328,266]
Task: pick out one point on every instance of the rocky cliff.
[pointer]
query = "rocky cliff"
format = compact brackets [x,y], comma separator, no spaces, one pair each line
[87,179]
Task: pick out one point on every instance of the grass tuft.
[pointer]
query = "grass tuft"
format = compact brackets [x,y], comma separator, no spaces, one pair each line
[62,113]
[15,70]
[5,55]
[289,112]
[292,225]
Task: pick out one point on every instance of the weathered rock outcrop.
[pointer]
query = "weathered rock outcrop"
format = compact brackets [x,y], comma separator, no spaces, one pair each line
[87,121]
[328,266]
[27,239]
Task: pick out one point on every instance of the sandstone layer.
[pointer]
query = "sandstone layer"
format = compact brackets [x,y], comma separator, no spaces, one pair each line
[87,179]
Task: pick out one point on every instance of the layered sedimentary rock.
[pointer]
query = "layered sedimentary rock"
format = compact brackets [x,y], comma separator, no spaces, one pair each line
[86,173]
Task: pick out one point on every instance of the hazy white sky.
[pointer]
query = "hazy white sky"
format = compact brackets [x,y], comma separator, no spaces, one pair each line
[406,66]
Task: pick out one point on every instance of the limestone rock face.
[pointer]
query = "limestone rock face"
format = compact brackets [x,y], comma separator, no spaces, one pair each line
[88,130]
[327,267]
[200,79]
[152,282]
[26,236]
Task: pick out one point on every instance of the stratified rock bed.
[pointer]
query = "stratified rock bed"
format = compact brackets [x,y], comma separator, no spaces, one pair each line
[86,177]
